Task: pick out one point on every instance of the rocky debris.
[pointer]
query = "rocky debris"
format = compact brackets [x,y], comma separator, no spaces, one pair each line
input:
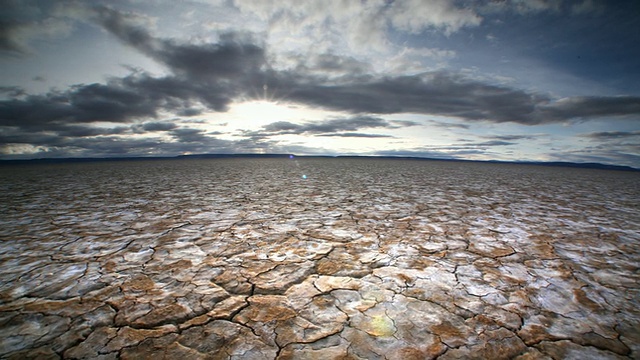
[364,259]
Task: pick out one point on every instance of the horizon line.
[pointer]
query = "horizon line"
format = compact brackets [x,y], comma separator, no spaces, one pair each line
[568,164]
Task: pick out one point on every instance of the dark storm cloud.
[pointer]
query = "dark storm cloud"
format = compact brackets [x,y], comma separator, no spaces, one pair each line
[446,94]
[438,93]
[8,39]
[87,131]
[119,146]
[15,17]
[12,91]
[280,126]
[177,94]
[81,104]
[334,126]
[123,100]
[606,135]
[230,59]
[189,112]
[127,27]
[189,135]
[22,21]
[61,135]
[16,137]
[346,124]
[585,107]
[234,56]
[158,126]
[185,141]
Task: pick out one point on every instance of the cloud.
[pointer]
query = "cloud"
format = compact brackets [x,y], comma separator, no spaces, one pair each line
[179,94]
[357,135]
[189,112]
[586,7]
[361,27]
[12,91]
[9,38]
[205,76]
[121,146]
[113,102]
[470,145]
[509,137]
[17,137]
[435,93]
[213,75]
[86,131]
[448,94]
[158,126]
[447,125]
[404,123]
[606,135]
[333,126]
[123,100]
[188,135]
[426,153]
[328,65]
[414,16]
[342,64]
[16,144]
[586,107]
[521,7]
[235,56]
[603,156]
[491,143]
[453,151]
[23,21]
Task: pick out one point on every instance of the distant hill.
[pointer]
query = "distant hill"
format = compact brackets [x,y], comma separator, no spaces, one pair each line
[271,156]
[539,163]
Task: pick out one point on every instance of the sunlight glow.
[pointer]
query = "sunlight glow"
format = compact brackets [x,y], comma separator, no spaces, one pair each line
[254,114]
[261,112]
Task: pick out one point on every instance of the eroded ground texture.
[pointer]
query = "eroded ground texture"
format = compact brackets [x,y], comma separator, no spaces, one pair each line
[363,259]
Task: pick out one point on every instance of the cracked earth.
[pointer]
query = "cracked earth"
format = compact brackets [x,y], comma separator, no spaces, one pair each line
[363,259]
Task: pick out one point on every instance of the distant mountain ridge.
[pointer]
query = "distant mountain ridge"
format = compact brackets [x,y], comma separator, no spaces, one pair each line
[590,165]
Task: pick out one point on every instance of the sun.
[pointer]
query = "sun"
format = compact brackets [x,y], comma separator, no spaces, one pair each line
[257,113]
[263,106]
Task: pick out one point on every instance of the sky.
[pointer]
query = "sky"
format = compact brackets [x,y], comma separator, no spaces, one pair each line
[513,80]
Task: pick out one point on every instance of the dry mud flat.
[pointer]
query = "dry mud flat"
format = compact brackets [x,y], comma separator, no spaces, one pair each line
[363,259]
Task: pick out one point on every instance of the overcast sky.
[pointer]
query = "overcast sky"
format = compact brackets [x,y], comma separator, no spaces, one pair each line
[484,79]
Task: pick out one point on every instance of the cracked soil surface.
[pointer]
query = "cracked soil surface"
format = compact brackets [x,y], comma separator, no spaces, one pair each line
[363,259]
